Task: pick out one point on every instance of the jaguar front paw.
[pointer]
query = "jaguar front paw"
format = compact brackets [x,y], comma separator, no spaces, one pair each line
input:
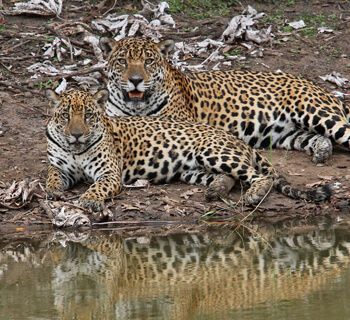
[95,207]
[91,204]
[54,193]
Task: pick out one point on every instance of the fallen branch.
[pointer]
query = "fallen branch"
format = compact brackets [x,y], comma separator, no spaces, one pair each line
[66,75]
[7,206]
[144,222]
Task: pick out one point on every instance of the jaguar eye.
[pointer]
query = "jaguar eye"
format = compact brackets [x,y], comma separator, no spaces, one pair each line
[122,62]
[88,115]
[65,115]
[149,61]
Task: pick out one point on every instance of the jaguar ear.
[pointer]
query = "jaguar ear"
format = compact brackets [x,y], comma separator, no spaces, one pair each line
[53,97]
[107,45]
[166,46]
[101,96]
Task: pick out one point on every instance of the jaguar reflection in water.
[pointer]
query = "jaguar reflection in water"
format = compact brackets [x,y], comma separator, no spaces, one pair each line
[185,276]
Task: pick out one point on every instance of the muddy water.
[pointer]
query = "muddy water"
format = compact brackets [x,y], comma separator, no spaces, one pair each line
[210,276]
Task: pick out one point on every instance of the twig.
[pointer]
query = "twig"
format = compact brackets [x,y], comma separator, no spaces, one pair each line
[19,58]
[258,205]
[111,8]
[16,46]
[7,206]
[46,208]
[71,197]
[8,69]
[12,86]
[303,39]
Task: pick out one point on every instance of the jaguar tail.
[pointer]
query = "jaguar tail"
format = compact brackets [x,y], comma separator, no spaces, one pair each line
[318,194]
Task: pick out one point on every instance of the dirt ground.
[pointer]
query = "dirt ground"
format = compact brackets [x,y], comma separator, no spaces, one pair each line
[24,113]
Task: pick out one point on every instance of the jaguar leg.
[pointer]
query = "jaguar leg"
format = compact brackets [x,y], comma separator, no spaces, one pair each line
[57,182]
[219,185]
[260,180]
[259,188]
[104,188]
[320,147]
[332,123]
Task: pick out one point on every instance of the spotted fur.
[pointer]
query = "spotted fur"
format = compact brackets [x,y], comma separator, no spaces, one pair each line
[264,109]
[84,144]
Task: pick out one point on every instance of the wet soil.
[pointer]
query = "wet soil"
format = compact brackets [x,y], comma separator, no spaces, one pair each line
[24,112]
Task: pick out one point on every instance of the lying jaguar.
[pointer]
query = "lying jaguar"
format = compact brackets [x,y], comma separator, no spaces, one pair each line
[85,144]
[264,109]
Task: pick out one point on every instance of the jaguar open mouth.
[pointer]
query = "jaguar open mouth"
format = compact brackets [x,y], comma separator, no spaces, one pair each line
[134,95]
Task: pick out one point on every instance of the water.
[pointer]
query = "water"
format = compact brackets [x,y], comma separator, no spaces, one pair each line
[211,276]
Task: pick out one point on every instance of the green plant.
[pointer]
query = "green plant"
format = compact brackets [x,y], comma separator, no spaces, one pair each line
[49,38]
[309,32]
[313,22]
[209,215]
[44,84]
[233,52]
[287,29]
[276,18]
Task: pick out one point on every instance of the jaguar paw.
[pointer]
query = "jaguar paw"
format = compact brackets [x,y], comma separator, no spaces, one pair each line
[54,194]
[91,204]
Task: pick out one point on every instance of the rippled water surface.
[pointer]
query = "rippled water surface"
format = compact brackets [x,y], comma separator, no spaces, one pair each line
[210,276]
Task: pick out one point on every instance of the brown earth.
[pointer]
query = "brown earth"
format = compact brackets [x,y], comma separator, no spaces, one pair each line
[24,112]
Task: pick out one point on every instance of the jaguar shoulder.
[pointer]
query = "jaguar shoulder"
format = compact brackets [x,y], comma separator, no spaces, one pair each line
[263,109]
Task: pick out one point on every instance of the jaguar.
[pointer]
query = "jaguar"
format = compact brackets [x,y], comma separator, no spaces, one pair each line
[264,109]
[85,144]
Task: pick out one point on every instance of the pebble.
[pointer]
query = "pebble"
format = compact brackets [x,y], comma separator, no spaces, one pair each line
[28,94]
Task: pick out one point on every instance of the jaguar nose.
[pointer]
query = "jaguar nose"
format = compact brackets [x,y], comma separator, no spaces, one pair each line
[77,135]
[135,80]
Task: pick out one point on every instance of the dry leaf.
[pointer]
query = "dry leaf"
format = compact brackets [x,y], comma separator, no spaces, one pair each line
[241,28]
[328,178]
[294,173]
[37,7]
[324,30]
[65,218]
[169,201]
[336,78]
[141,183]
[126,207]
[313,184]
[297,24]
[187,194]
[168,208]
[19,193]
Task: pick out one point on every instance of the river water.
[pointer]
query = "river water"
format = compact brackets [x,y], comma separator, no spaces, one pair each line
[225,275]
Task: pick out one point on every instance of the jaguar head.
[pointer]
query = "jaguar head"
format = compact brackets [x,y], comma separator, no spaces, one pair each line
[76,123]
[136,65]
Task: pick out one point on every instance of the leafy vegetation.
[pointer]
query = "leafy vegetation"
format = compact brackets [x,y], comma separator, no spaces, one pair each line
[233,52]
[312,21]
[316,21]
[44,84]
